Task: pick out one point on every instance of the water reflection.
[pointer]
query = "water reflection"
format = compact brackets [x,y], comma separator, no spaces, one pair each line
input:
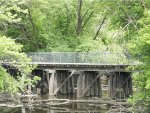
[69,108]
[78,108]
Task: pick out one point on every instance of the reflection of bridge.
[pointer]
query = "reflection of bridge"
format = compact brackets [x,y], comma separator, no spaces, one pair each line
[81,73]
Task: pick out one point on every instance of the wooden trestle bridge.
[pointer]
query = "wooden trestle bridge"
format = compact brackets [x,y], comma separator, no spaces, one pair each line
[80,73]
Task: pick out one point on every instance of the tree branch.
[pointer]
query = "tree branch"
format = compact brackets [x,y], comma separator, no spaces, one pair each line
[31,20]
[79,18]
[70,16]
[100,26]
[87,20]
[85,13]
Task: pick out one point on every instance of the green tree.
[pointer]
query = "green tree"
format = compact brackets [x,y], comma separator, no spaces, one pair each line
[11,52]
[60,26]
[140,46]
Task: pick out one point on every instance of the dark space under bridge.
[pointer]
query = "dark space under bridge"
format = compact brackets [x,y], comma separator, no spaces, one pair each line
[83,73]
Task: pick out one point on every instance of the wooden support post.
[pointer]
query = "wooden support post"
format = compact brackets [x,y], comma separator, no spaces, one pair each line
[42,82]
[114,89]
[117,88]
[55,81]
[48,77]
[110,86]
[92,86]
[130,86]
[122,87]
[99,88]
[63,77]
[83,82]
[61,81]
[79,85]
[87,82]
[51,83]
[65,84]
[58,80]
[95,86]
[126,86]
[72,85]
[68,84]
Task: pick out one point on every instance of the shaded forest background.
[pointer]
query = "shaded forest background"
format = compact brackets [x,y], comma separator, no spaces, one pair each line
[75,26]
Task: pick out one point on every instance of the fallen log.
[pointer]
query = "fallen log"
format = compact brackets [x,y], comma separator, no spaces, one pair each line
[59,102]
[66,101]
[101,102]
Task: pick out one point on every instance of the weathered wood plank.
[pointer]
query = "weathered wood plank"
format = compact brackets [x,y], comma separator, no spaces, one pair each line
[51,84]
[72,85]
[86,89]
[87,82]
[57,89]
[79,85]
[99,88]
[130,85]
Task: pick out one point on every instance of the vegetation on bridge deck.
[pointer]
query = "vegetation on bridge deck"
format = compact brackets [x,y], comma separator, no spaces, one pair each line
[82,26]
[89,58]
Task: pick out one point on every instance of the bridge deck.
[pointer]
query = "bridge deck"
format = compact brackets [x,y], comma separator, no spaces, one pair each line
[91,61]
[81,66]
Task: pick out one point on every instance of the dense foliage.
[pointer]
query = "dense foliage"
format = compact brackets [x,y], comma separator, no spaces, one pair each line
[141,46]
[77,25]
[10,51]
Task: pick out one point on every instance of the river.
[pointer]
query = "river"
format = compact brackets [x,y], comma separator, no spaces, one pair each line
[68,108]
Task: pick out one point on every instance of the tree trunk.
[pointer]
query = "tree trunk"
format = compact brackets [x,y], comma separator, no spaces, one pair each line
[79,16]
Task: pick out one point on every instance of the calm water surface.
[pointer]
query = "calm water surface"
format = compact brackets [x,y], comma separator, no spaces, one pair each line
[71,108]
